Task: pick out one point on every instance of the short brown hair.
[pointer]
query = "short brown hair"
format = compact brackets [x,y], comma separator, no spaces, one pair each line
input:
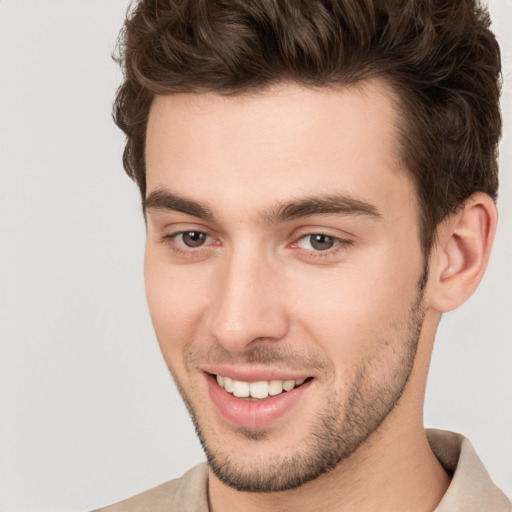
[438,55]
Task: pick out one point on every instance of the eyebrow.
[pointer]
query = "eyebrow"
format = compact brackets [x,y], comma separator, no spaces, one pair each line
[339,204]
[322,204]
[165,200]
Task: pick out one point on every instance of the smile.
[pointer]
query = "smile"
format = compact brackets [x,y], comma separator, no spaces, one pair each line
[253,402]
[259,390]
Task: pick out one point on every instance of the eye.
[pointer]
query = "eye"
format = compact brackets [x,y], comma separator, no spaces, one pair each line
[186,240]
[318,242]
[192,239]
[190,244]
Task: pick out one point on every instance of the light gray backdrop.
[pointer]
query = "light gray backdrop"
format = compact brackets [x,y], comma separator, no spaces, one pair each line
[89,414]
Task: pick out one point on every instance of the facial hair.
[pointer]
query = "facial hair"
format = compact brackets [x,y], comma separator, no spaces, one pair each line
[340,427]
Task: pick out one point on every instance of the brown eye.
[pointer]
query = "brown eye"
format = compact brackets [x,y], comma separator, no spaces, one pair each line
[193,238]
[321,242]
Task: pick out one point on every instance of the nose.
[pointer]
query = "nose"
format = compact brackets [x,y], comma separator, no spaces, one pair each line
[248,307]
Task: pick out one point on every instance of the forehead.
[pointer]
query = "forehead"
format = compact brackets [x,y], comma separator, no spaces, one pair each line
[248,150]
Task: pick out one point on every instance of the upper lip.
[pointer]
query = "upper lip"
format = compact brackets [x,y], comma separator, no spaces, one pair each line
[250,374]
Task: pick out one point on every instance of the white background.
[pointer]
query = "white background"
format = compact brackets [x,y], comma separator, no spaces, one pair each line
[89,414]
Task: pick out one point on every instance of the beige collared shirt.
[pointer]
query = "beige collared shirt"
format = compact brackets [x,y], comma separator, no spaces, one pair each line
[471,489]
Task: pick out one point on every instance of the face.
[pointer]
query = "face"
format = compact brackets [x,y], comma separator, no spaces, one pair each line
[283,270]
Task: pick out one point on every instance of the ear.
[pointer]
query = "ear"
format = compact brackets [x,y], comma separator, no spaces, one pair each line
[460,257]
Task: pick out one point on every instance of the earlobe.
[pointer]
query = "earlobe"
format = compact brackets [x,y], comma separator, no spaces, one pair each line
[462,252]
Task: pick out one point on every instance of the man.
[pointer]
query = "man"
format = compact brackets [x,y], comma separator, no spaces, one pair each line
[318,180]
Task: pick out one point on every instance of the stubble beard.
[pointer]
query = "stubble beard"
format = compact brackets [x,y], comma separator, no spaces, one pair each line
[343,425]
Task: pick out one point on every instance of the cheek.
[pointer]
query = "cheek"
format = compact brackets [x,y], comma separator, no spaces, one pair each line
[176,301]
[351,312]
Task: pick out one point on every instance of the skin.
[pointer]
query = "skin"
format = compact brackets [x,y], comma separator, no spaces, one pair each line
[257,294]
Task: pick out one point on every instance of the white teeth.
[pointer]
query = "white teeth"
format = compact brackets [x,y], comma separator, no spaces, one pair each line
[261,389]
[275,387]
[288,385]
[228,384]
[240,389]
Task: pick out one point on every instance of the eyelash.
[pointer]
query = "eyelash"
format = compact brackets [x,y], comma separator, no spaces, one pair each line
[182,249]
[340,244]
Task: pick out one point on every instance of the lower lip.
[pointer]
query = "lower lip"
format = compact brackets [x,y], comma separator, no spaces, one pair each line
[253,413]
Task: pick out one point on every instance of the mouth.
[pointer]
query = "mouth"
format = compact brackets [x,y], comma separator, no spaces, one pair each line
[255,402]
[258,390]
